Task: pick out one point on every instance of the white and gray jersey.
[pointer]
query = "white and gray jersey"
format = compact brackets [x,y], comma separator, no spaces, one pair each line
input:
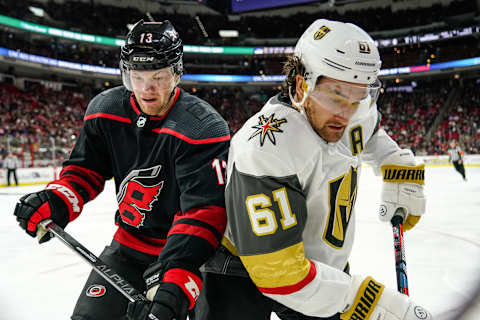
[290,200]
[455,154]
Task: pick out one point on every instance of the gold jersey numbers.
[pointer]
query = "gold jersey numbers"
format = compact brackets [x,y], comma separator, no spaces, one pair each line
[262,217]
[341,199]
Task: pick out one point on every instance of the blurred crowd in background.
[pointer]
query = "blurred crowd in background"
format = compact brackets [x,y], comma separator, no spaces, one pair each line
[422,114]
[40,118]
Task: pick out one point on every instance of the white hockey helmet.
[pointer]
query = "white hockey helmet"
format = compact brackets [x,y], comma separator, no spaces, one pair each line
[337,50]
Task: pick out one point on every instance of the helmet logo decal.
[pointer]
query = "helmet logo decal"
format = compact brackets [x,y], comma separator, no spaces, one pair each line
[363,47]
[321,32]
[266,127]
[171,34]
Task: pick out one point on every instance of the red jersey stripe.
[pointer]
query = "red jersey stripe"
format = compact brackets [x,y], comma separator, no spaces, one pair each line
[143,244]
[99,179]
[213,215]
[87,178]
[190,140]
[108,116]
[295,287]
[201,232]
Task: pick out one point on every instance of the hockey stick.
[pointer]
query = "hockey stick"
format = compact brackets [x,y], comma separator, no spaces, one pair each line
[98,265]
[399,247]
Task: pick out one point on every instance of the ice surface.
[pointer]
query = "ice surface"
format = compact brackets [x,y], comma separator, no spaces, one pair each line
[442,251]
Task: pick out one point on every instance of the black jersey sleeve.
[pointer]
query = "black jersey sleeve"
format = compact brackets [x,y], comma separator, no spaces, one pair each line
[87,167]
[200,172]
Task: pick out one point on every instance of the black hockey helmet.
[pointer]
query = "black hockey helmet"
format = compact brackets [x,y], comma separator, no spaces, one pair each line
[151,46]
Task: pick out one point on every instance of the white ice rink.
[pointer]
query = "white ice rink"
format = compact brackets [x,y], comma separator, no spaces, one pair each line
[42,282]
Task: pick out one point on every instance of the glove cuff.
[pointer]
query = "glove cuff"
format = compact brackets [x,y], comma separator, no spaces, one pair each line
[189,282]
[400,173]
[70,197]
[366,299]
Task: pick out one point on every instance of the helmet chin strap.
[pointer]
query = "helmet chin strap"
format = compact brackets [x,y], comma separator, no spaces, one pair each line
[165,106]
[299,105]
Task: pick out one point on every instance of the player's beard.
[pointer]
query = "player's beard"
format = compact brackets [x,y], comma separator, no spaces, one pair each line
[328,134]
[322,123]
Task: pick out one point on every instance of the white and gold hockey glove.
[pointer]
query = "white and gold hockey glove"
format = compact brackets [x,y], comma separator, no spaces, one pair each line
[403,182]
[368,299]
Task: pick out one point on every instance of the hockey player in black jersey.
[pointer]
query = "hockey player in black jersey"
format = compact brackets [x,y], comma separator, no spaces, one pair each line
[166,151]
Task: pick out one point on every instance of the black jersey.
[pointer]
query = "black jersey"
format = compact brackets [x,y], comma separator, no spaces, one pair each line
[168,171]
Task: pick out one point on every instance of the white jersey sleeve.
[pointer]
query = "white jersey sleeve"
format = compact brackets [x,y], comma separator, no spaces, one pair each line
[376,145]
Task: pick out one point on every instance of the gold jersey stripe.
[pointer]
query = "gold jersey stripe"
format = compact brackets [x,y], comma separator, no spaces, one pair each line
[396,173]
[281,268]
[229,245]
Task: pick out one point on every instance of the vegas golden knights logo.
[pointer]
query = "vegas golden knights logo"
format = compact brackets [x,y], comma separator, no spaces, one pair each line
[342,194]
[321,33]
[266,127]
[363,47]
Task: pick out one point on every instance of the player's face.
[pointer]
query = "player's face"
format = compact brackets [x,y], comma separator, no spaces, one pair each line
[152,89]
[331,106]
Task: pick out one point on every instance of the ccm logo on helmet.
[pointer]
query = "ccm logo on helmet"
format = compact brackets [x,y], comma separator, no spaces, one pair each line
[67,193]
[142,59]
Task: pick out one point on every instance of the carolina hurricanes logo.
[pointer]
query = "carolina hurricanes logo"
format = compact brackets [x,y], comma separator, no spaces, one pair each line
[137,192]
[266,127]
[95,291]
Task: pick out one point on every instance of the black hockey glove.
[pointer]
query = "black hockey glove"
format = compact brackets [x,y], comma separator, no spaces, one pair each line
[172,293]
[169,303]
[35,207]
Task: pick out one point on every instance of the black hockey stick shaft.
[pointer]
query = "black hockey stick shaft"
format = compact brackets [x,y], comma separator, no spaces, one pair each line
[112,277]
[399,247]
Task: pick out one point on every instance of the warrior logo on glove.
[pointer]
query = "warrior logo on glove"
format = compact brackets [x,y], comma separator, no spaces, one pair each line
[137,192]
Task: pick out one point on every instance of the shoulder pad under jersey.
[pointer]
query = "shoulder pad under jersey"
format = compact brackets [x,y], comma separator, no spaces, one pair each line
[110,101]
[195,118]
[277,141]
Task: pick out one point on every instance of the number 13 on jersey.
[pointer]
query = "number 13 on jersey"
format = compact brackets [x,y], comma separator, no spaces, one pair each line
[262,217]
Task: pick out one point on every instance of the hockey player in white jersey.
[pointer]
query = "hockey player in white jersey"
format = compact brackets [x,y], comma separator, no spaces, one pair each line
[292,183]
